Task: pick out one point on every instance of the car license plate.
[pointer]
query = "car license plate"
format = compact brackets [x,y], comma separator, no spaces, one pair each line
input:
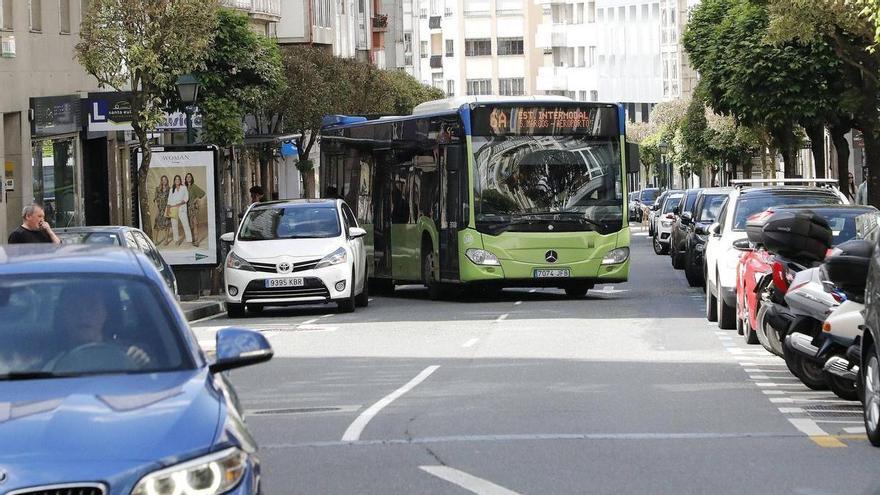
[553,273]
[285,282]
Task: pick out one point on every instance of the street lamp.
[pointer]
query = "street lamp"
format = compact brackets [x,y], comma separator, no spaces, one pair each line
[188,90]
[664,147]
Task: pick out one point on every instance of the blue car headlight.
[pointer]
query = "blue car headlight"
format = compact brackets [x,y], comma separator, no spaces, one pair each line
[212,474]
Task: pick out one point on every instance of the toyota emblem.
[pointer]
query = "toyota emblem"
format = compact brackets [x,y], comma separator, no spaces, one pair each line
[284,267]
[551,256]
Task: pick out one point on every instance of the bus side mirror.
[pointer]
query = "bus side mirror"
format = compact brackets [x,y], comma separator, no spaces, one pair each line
[633,164]
[454,157]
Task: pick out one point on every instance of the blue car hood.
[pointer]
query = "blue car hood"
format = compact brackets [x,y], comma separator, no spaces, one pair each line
[130,419]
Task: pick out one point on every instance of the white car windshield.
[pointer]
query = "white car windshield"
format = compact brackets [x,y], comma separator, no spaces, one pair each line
[304,221]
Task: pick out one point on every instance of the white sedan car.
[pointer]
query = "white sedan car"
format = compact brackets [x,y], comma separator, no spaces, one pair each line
[296,252]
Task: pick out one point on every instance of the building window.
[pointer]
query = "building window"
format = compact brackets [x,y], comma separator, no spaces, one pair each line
[450,88]
[479,47]
[581,56]
[594,95]
[591,12]
[423,49]
[323,14]
[646,111]
[437,80]
[591,61]
[582,96]
[407,60]
[510,46]
[6,15]
[423,13]
[450,48]
[514,86]
[407,42]
[434,22]
[580,14]
[64,11]
[479,86]
[35,15]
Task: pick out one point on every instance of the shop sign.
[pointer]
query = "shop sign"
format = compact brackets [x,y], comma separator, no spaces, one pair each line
[111,111]
[54,115]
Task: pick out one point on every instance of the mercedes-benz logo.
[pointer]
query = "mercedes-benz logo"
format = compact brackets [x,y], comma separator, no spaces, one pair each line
[3,476]
[550,227]
[284,267]
[551,256]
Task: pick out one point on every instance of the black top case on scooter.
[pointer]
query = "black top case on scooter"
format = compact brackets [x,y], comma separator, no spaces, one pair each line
[847,267]
[801,235]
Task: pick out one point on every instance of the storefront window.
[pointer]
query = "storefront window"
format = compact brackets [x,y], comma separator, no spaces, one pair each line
[55,180]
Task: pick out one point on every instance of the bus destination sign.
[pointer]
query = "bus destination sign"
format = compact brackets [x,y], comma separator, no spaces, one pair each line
[524,121]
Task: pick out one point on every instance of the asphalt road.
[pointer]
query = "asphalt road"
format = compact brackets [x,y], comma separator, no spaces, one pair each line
[628,390]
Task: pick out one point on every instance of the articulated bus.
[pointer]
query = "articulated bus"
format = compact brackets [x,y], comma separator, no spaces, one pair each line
[514,192]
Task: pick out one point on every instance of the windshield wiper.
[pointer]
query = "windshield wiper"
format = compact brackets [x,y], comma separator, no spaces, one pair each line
[32,375]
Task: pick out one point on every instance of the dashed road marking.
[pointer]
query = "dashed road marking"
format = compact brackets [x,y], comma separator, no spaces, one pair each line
[501,318]
[816,434]
[470,343]
[467,481]
[517,303]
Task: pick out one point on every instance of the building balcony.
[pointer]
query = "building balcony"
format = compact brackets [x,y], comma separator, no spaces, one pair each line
[436,62]
[380,23]
[550,35]
[552,79]
[269,10]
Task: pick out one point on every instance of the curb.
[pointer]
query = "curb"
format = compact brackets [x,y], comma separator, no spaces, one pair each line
[204,311]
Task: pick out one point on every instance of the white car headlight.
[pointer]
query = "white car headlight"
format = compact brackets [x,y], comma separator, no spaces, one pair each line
[616,256]
[666,223]
[208,475]
[238,263]
[482,257]
[334,258]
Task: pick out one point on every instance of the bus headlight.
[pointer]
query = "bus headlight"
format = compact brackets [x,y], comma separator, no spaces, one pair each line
[482,257]
[616,256]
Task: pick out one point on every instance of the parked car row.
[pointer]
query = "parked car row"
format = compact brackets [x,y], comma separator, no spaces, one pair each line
[792,267]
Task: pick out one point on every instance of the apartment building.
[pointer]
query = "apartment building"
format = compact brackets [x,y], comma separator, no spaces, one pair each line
[263,14]
[603,50]
[679,77]
[343,26]
[474,47]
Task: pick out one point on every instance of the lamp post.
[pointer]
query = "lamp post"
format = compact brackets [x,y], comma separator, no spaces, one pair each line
[663,147]
[188,90]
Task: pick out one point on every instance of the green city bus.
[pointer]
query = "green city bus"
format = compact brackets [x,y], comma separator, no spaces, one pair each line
[526,192]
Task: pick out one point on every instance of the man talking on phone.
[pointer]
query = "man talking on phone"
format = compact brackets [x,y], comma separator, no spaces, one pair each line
[33,228]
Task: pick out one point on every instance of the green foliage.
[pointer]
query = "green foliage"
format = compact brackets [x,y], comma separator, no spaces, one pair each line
[242,71]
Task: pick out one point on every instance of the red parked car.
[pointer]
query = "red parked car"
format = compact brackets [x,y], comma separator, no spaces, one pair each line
[846,222]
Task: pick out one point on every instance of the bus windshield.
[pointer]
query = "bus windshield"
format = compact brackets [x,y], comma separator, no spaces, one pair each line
[547,168]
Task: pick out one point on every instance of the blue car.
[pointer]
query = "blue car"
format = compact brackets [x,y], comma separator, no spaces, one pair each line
[103,387]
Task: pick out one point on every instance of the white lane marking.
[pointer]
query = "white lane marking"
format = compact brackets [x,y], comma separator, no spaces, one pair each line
[467,481]
[370,299]
[517,303]
[470,343]
[773,392]
[327,316]
[855,429]
[791,410]
[207,318]
[806,400]
[353,433]
[759,377]
[757,370]
[502,318]
[808,427]
[309,322]
[533,291]
[317,328]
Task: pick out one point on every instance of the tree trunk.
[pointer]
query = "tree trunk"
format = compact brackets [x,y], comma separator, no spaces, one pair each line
[816,133]
[841,147]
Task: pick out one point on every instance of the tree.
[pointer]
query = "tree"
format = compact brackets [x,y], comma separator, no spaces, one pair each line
[143,46]
[850,28]
[759,83]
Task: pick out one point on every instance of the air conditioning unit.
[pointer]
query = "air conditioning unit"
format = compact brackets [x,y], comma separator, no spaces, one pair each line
[7,46]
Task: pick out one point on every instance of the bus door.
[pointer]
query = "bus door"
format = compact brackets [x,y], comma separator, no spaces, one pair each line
[453,178]
[382,215]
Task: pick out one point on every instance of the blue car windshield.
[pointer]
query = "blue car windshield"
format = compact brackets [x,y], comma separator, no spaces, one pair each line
[70,325]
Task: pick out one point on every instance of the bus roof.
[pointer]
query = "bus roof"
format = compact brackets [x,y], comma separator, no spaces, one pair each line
[456,102]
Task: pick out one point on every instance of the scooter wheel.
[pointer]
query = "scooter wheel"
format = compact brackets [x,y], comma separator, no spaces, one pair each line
[843,388]
[809,373]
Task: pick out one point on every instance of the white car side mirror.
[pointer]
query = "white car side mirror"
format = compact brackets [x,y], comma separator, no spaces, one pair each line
[356,232]
[715,229]
[228,237]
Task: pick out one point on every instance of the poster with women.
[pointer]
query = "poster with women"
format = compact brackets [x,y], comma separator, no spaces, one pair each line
[180,186]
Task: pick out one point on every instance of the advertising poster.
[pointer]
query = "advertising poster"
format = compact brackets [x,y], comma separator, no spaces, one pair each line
[181,192]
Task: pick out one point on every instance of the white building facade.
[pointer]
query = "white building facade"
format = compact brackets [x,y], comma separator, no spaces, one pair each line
[603,50]
[344,26]
[473,47]
[679,77]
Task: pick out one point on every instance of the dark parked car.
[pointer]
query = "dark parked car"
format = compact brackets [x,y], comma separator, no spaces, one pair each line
[128,237]
[679,229]
[635,206]
[104,386]
[870,352]
[706,208]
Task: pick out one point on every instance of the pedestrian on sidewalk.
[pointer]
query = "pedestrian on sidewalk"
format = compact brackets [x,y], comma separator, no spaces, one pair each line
[34,228]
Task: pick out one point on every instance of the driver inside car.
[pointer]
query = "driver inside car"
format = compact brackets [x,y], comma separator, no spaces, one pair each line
[86,318]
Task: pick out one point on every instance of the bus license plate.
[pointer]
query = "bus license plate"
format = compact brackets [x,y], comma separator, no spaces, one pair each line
[553,273]
[285,282]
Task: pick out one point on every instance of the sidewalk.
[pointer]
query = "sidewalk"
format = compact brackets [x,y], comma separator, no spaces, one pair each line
[203,307]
